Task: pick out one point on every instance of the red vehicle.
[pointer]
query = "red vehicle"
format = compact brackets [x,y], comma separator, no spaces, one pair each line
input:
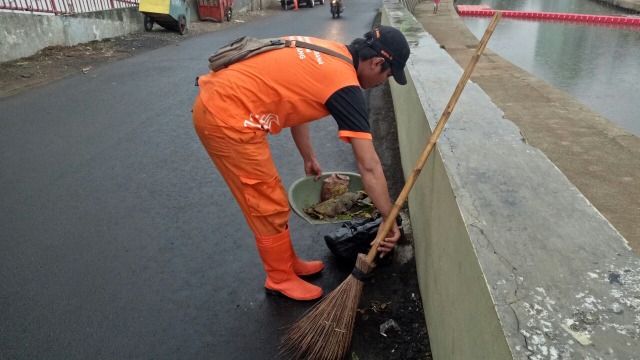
[215,10]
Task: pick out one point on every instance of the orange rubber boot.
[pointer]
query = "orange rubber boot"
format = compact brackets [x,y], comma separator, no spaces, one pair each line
[278,258]
[301,267]
[306,268]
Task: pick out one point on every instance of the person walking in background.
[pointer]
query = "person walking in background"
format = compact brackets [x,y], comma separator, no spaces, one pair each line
[239,106]
[436,3]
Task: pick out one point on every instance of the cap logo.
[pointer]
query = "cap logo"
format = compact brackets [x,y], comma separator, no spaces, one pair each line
[375,42]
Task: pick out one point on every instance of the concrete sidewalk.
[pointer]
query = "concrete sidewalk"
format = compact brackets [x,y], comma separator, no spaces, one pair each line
[598,157]
[626,4]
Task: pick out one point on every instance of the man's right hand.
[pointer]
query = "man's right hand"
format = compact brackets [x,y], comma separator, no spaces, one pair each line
[312,167]
[390,240]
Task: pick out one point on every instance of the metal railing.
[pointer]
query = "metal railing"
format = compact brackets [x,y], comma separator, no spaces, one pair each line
[64,7]
[410,4]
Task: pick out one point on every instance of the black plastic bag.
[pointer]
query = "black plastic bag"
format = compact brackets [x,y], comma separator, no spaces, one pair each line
[354,237]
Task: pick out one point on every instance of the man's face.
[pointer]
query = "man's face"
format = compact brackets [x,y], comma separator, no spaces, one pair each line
[370,73]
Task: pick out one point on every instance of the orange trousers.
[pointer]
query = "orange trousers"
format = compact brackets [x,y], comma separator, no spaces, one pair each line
[244,160]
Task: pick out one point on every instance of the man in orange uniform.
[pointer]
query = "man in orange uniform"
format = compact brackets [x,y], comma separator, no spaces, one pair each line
[238,106]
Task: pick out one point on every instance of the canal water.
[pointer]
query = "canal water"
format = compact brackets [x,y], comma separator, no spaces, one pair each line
[597,64]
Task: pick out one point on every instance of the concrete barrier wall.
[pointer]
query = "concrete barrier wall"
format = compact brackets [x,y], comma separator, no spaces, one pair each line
[23,35]
[513,262]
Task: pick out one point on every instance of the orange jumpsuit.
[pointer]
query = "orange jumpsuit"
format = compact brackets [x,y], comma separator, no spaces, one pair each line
[238,106]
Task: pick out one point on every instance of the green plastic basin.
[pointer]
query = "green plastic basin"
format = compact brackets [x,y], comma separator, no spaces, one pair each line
[305,192]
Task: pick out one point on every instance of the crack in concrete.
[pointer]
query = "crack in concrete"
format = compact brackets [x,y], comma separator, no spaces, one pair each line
[492,248]
[528,350]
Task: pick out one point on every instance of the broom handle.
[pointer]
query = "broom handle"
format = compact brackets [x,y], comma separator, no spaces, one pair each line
[391,218]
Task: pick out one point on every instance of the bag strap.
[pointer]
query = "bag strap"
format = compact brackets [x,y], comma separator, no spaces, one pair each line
[306,45]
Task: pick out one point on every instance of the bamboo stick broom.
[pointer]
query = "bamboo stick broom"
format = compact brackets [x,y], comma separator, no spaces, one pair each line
[324,332]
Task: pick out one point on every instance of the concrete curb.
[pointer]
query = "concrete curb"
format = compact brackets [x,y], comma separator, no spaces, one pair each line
[513,261]
[25,34]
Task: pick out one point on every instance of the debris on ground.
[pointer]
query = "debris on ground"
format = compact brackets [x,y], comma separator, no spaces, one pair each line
[388,325]
[391,305]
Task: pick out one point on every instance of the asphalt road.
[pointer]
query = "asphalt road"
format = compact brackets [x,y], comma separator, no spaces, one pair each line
[119,239]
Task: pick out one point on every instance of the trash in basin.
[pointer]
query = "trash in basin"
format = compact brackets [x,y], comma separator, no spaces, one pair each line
[305,192]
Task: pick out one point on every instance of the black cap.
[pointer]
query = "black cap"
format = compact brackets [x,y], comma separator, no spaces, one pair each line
[391,44]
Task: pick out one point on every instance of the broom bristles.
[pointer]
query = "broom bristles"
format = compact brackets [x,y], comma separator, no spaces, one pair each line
[324,332]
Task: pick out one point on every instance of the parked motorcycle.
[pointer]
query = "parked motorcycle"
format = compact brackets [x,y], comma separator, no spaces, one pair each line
[336,8]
